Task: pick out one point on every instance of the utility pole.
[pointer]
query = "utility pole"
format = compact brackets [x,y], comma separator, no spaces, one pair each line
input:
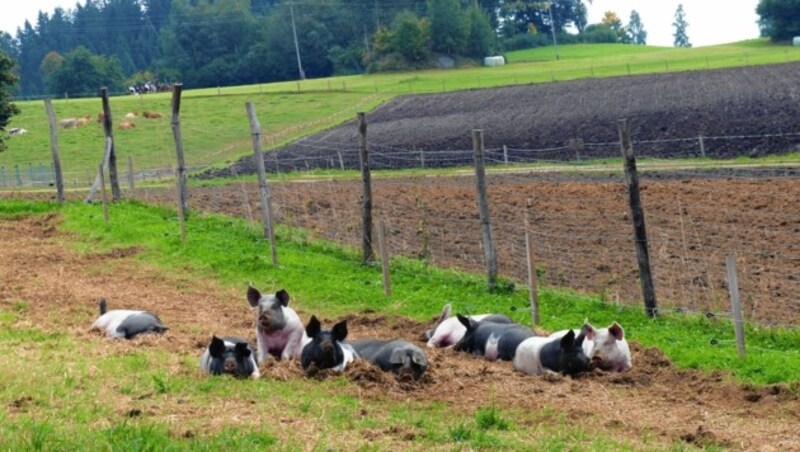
[296,46]
[553,29]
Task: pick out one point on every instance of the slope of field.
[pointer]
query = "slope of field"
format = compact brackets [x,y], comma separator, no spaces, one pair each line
[746,110]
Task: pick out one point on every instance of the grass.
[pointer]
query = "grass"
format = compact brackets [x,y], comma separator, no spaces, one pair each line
[215,128]
[60,399]
[232,250]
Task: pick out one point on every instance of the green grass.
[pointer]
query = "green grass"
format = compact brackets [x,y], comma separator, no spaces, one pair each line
[232,251]
[60,399]
[215,128]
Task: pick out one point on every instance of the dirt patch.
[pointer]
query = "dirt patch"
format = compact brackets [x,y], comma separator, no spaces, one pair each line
[653,398]
[580,227]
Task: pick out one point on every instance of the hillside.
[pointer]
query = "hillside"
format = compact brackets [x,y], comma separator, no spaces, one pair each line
[739,111]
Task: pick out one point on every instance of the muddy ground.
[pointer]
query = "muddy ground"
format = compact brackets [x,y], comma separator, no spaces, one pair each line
[653,400]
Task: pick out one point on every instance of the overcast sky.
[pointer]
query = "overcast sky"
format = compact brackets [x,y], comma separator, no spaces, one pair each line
[710,21]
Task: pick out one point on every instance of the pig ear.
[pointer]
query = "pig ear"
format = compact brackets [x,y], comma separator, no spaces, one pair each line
[419,358]
[313,328]
[242,350]
[568,339]
[340,331]
[464,321]
[253,295]
[445,313]
[103,305]
[616,330]
[588,330]
[283,297]
[217,347]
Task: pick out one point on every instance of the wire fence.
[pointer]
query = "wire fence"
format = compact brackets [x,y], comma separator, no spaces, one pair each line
[578,217]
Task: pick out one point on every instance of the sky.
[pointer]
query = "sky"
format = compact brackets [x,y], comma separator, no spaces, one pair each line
[706,27]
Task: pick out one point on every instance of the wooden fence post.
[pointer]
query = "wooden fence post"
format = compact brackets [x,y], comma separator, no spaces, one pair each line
[736,304]
[181,211]
[384,249]
[532,283]
[103,191]
[702,146]
[263,190]
[131,182]
[341,161]
[483,208]
[505,154]
[368,254]
[51,118]
[109,154]
[637,216]
[183,197]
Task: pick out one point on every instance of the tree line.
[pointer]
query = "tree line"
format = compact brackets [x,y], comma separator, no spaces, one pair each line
[118,43]
[202,43]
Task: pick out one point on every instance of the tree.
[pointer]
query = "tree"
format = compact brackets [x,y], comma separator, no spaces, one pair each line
[449,29]
[7,109]
[779,19]
[680,24]
[612,21]
[480,38]
[83,73]
[636,29]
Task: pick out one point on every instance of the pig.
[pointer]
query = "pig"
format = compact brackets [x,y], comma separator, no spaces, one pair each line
[491,340]
[398,356]
[541,355]
[606,348]
[127,324]
[229,355]
[279,331]
[327,349]
[448,330]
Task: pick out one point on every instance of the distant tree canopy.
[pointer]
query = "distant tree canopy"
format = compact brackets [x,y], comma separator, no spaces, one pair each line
[206,43]
[779,19]
[7,109]
[635,29]
[680,24]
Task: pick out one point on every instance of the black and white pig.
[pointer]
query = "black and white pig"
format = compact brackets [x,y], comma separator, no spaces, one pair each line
[279,331]
[398,356]
[607,348]
[125,323]
[229,355]
[539,355]
[327,349]
[449,330]
[491,340]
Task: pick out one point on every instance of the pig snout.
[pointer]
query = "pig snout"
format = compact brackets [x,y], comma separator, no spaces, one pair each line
[229,366]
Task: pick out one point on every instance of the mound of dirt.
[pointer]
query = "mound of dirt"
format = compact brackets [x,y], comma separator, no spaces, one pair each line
[739,111]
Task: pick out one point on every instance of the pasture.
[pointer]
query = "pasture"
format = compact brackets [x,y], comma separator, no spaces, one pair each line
[215,127]
[65,387]
[70,388]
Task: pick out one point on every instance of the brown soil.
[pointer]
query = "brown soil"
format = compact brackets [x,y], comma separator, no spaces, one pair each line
[653,404]
[581,230]
[740,111]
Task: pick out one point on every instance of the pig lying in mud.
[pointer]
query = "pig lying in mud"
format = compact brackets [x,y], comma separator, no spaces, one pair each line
[449,330]
[127,324]
[326,348]
[229,355]
[540,355]
[402,358]
[491,340]
[607,348]
[279,331]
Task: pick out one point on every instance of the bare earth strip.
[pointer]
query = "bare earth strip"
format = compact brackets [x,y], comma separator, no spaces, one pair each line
[654,404]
